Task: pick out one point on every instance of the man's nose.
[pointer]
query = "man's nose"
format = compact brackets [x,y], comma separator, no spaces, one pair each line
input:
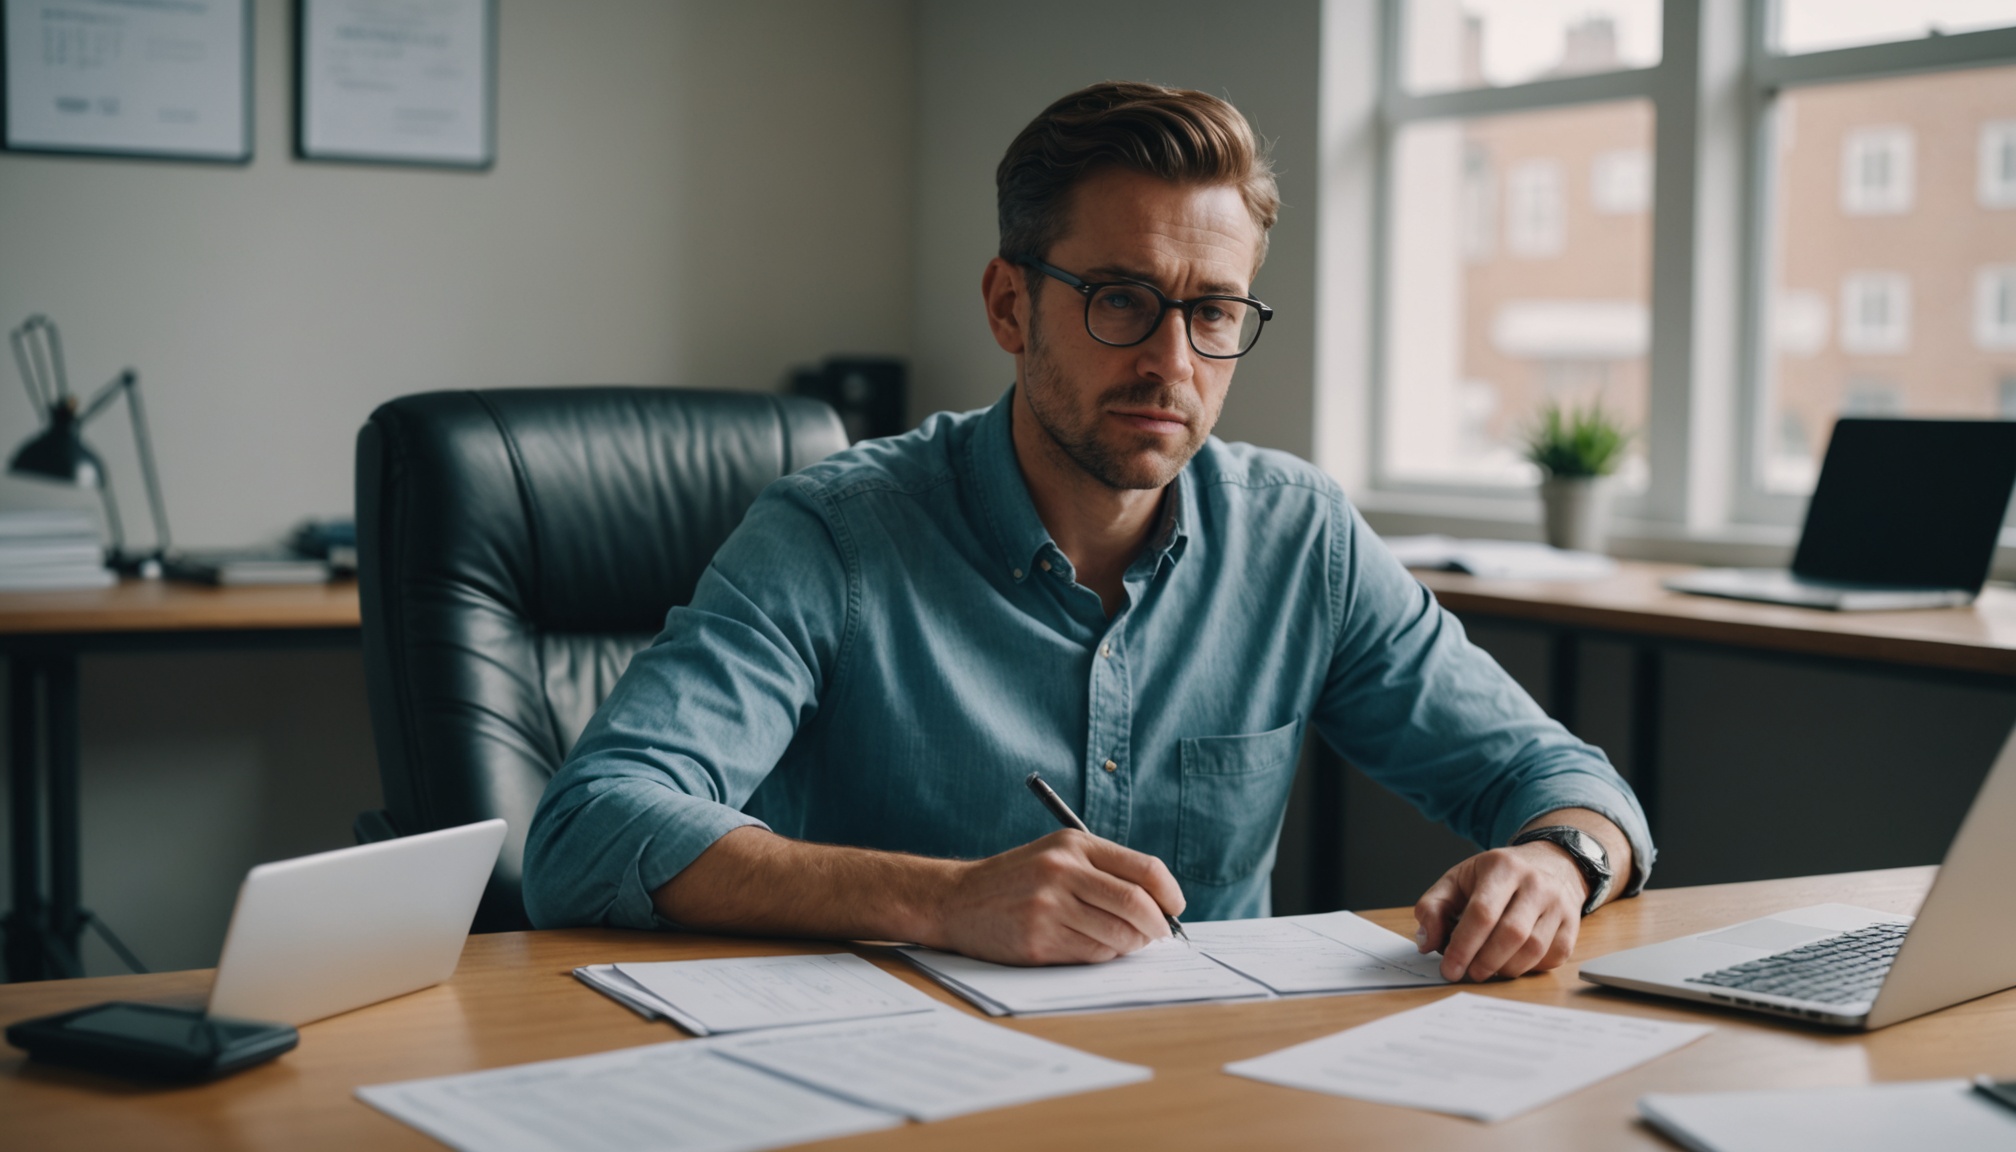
[1166,354]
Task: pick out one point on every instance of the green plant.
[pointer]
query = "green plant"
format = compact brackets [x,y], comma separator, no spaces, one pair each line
[1567,441]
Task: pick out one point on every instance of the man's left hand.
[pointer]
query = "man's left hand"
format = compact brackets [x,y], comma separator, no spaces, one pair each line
[1505,912]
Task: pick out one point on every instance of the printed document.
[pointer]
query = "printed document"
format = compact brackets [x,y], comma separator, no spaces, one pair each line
[1223,960]
[1168,971]
[1330,952]
[681,1096]
[1467,1055]
[708,997]
[749,1091]
[931,1066]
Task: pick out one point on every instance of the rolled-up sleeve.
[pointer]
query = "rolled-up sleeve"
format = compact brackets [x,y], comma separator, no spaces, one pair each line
[698,720]
[1424,712]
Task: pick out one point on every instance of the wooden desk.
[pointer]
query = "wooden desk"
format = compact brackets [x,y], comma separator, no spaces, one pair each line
[41,635]
[512,1001]
[1978,638]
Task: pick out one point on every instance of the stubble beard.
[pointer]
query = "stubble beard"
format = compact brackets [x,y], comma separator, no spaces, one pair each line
[1077,434]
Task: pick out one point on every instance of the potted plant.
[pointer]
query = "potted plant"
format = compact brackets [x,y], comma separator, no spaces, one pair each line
[1576,449]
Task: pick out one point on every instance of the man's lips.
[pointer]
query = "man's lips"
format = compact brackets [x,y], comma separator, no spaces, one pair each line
[1154,420]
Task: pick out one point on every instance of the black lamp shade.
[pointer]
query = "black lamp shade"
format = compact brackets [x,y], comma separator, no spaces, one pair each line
[59,453]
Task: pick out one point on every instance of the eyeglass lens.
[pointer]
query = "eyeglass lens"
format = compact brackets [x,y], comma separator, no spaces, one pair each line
[1125,314]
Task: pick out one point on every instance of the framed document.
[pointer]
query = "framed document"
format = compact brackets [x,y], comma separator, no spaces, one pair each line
[167,80]
[396,81]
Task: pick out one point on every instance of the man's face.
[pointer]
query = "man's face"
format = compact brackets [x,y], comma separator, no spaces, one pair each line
[1133,417]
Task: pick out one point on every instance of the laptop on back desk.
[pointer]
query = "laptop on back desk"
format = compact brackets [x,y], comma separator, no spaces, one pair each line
[1905,515]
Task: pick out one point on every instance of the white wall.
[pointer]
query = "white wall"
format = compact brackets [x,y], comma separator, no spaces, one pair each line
[685,193]
[984,70]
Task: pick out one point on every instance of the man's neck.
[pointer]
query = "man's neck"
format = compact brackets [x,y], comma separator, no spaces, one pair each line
[1100,528]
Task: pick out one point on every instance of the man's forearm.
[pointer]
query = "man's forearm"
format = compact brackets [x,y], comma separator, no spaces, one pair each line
[755,881]
[1615,844]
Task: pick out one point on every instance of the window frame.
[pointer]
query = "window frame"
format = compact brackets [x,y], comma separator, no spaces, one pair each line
[1710,304]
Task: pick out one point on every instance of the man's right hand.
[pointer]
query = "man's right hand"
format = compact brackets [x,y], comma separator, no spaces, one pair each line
[1069,898]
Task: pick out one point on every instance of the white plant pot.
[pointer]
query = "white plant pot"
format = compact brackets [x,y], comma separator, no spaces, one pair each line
[1577,511]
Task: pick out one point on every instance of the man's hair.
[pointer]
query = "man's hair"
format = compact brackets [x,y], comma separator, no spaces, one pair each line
[1177,134]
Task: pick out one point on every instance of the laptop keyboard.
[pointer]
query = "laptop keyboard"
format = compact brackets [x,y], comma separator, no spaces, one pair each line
[1841,969]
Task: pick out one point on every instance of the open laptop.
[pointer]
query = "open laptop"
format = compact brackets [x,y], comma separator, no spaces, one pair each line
[1905,515]
[318,935]
[1854,967]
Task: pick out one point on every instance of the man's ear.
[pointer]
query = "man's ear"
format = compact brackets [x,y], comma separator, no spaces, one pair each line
[1004,288]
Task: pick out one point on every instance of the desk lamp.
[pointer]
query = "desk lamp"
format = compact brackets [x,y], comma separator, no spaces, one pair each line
[59,452]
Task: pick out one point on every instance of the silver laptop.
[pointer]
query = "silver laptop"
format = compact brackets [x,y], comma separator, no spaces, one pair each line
[323,934]
[1854,967]
[1905,515]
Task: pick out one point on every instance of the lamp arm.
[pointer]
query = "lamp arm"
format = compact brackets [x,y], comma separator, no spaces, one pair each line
[128,382]
[155,504]
[18,338]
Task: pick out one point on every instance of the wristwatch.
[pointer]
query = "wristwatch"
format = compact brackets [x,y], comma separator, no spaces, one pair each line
[1585,850]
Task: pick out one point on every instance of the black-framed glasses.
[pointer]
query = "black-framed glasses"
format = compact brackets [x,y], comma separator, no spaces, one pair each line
[1123,313]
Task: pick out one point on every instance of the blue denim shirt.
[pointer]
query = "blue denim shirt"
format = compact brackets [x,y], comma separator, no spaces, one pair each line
[891,642]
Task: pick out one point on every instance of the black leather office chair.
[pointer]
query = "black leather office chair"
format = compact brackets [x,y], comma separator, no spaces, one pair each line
[516,547]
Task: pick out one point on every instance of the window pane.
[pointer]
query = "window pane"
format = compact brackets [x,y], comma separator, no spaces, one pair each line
[1519,272]
[1454,44]
[1818,25]
[1893,258]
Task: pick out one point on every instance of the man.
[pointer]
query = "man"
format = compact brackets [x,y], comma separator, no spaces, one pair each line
[831,740]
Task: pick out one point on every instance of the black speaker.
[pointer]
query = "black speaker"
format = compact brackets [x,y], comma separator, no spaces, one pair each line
[867,391]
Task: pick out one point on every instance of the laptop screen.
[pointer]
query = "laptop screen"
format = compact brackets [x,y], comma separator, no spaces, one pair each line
[1912,502]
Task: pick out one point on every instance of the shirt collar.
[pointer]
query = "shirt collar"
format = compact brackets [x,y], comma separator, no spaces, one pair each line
[1021,542]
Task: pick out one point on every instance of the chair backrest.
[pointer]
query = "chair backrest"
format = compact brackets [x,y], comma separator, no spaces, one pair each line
[515,548]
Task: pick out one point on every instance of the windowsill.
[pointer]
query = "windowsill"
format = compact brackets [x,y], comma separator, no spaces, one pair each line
[1731,545]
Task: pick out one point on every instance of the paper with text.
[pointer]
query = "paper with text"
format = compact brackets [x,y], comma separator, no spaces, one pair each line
[710,997]
[1168,971]
[1330,952]
[932,1066]
[677,1097]
[1478,1056]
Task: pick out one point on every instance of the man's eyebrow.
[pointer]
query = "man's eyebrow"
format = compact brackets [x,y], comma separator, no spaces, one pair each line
[1122,272]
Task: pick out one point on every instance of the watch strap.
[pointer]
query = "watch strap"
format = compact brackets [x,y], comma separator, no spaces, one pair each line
[1586,851]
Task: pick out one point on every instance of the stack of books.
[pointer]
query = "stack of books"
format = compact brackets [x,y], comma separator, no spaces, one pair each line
[50,550]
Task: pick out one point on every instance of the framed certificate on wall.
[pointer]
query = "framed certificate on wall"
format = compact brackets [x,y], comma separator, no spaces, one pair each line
[396,81]
[112,77]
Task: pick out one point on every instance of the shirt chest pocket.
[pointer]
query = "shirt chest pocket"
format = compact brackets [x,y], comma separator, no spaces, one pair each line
[1234,791]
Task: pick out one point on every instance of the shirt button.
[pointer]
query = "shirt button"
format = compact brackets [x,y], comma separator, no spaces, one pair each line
[1043,564]
[1016,572]
[1106,650]
[1112,767]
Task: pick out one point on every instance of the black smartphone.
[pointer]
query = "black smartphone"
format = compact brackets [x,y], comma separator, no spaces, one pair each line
[151,1041]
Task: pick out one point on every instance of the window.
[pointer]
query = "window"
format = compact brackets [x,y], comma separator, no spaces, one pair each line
[1995,308]
[1533,223]
[1832,231]
[1876,313]
[1620,182]
[1876,172]
[1996,187]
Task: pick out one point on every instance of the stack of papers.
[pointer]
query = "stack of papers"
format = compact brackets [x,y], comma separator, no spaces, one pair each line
[1477,1056]
[710,997]
[51,550]
[1224,960]
[760,1090]
[1499,559]
[1944,1114]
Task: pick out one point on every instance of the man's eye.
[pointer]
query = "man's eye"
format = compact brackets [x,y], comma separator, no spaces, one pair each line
[1118,301]
[1212,314]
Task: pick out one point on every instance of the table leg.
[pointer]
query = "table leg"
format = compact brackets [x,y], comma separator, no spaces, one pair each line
[66,852]
[1564,680]
[1645,673]
[26,920]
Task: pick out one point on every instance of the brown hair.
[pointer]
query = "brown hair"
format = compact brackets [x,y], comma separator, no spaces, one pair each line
[1174,133]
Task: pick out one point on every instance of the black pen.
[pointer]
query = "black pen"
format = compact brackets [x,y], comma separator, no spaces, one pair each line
[1069,819]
